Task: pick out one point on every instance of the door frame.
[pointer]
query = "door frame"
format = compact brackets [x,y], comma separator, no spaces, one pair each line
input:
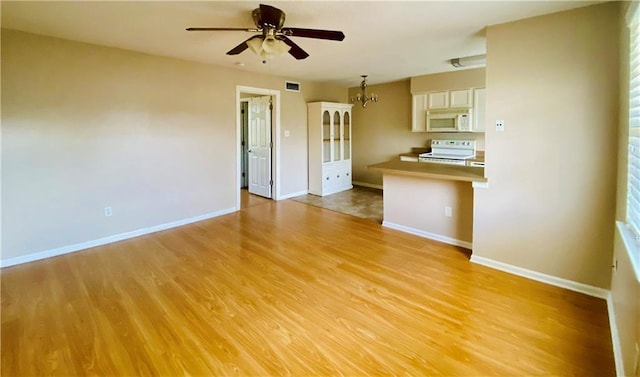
[275,137]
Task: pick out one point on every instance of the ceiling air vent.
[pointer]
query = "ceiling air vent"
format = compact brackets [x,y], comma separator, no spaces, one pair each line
[292,86]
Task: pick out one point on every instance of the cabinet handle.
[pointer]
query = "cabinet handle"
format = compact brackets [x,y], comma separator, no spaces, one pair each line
[338,176]
[327,178]
[347,174]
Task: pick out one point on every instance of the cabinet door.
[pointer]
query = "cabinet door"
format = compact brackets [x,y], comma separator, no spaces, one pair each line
[328,178]
[346,137]
[460,98]
[326,136]
[439,100]
[419,113]
[478,110]
[335,137]
[346,177]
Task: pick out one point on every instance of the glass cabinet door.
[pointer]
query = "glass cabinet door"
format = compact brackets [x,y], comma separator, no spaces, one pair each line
[347,136]
[326,137]
[337,154]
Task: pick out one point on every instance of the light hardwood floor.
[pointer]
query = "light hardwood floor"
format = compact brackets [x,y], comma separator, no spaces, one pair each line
[284,288]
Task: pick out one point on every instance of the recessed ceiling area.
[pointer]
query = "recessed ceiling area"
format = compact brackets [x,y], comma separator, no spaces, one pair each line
[388,41]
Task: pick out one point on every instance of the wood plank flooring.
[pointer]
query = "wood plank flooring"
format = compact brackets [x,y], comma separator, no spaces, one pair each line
[284,288]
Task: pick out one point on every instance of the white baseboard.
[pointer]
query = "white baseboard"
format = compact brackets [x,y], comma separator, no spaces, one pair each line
[365,184]
[544,278]
[292,195]
[615,338]
[432,236]
[105,240]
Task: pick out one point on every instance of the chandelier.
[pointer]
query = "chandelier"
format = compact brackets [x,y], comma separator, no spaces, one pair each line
[362,97]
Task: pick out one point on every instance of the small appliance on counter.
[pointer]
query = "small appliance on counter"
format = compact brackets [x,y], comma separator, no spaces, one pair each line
[452,152]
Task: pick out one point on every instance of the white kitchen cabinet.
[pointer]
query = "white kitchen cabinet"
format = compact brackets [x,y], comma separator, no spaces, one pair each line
[419,112]
[479,110]
[329,130]
[460,98]
[438,100]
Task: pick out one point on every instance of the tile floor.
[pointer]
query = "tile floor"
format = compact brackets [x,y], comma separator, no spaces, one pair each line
[360,201]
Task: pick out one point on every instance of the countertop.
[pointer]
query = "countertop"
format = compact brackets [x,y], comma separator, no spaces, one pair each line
[413,155]
[426,170]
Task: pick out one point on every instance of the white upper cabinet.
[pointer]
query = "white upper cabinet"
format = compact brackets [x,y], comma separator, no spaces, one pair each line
[418,112]
[471,99]
[460,98]
[439,100]
[479,110]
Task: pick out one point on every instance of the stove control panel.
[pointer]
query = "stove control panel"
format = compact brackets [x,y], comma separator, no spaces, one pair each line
[459,144]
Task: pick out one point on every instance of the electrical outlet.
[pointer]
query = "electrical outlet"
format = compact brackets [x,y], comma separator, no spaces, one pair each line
[286,133]
[447,211]
[107,211]
[500,125]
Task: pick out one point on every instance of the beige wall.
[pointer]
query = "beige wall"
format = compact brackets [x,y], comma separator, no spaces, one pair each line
[459,79]
[382,130]
[552,173]
[418,203]
[84,127]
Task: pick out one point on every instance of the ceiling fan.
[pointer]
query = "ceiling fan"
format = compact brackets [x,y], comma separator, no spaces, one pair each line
[274,38]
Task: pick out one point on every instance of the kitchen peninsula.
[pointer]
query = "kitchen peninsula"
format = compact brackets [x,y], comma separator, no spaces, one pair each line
[430,200]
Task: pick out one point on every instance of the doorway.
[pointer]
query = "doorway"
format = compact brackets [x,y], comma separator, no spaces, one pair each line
[258,147]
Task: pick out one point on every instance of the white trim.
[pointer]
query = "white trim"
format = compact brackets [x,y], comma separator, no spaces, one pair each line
[275,193]
[365,184]
[631,246]
[110,239]
[292,195]
[615,338]
[431,236]
[480,185]
[631,11]
[544,278]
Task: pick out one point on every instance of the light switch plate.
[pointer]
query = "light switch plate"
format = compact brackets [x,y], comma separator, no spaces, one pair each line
[286,133]
[499,125]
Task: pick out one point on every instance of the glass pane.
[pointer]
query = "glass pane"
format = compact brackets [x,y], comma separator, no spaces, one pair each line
[326,151]
[326,137]
[347,136]
[442,124]
[337,155]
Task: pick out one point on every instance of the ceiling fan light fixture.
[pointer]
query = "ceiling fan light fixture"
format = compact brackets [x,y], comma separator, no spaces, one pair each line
[274,46]
[273,41]
[267,48]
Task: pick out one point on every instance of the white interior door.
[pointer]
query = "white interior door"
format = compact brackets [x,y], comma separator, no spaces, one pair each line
[259,141]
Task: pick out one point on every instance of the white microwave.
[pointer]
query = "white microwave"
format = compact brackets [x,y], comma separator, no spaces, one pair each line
[449,121]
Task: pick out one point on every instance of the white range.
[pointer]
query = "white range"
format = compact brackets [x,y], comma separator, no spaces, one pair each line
[452,152]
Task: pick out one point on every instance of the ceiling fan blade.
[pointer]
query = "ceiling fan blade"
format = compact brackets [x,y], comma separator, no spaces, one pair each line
[221,29]
[270,16]
[241,47]
[333,35]
[295,50]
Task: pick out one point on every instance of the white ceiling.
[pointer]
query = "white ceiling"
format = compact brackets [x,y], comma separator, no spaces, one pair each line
[388,40]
